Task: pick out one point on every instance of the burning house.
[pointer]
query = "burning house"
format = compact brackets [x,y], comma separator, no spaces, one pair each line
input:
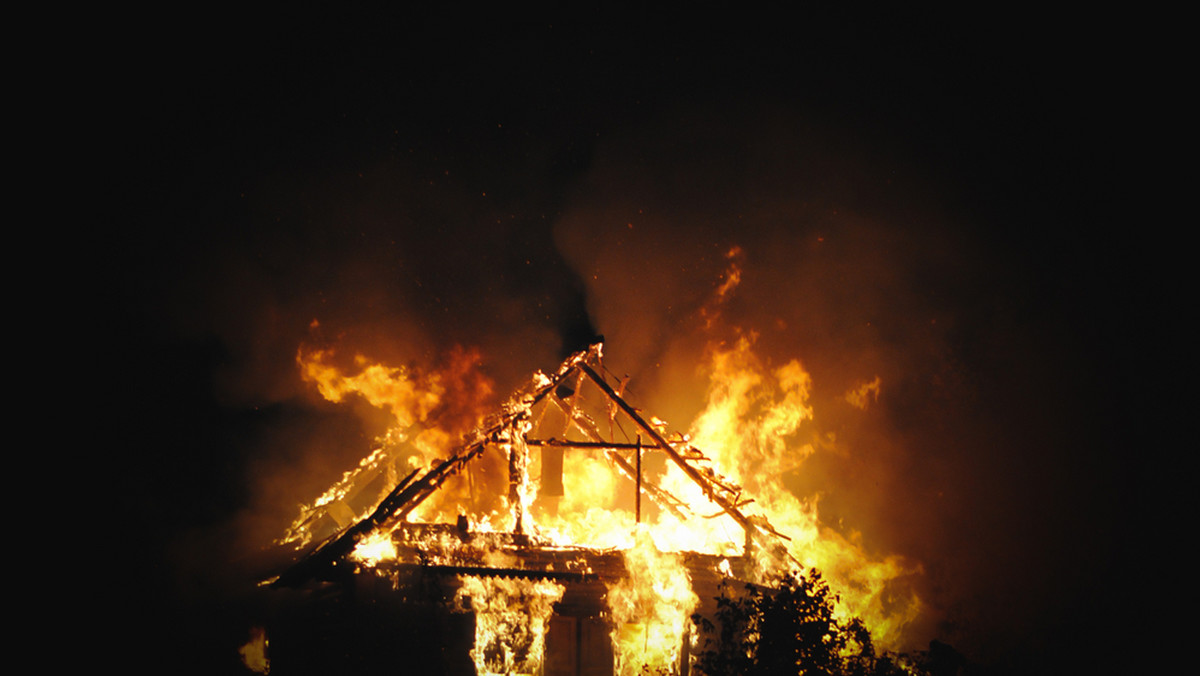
[570,533]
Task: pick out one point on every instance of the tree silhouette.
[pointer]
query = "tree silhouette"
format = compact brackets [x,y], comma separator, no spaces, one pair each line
[788,628]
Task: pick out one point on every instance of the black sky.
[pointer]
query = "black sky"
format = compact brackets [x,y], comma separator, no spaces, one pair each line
[414,184]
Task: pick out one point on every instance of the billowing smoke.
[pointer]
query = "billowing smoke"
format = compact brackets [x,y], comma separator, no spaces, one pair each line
[527,195]
[401,269]
[848,261]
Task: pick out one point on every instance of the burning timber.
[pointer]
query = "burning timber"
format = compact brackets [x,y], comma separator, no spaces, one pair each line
[482,563]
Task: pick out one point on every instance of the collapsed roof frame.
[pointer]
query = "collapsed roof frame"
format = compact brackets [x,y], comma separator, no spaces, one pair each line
[510,428]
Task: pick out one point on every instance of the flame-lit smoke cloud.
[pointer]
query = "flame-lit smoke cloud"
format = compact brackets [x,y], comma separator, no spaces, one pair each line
[387,268]
[843,261]
[513,202]
[849,263]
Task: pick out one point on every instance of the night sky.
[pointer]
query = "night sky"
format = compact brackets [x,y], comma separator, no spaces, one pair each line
[936,200]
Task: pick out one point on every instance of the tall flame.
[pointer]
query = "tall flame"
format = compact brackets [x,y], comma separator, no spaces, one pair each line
[429,411]
[511,619]
[751,425]
[650,609]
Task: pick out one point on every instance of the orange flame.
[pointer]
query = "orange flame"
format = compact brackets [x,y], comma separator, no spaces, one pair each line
[750,426]
[511,619]
[409,397]
[650,609]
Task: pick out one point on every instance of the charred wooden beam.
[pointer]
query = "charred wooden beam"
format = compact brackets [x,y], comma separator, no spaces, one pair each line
[484,571]
[702,481]
[345,543]
[518,480]
[593,445]
[660,496]
[637,493]
[499,431]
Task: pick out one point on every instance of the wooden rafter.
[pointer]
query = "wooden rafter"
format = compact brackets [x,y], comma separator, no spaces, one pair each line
[506,428]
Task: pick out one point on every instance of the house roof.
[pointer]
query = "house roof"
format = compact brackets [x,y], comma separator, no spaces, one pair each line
[515,428]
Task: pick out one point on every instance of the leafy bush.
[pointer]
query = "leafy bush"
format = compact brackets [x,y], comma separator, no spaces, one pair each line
[789,628]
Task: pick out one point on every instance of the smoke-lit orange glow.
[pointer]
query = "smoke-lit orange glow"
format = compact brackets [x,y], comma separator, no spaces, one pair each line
[711,312]
[863,395]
